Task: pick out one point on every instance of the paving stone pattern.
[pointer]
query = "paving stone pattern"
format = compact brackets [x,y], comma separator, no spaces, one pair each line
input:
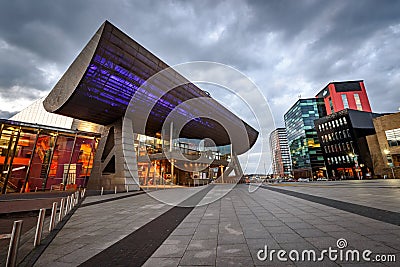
[231,231]
[226,232]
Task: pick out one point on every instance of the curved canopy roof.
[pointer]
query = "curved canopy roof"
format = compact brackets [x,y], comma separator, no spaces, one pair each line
[113,68]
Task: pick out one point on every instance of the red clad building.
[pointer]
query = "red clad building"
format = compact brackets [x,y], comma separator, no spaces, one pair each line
[342,95]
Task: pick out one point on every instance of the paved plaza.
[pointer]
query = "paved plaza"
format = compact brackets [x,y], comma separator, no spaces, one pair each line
[228,226]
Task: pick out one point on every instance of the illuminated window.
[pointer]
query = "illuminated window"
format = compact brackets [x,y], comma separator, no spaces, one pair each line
[345,102]
[358,101]
[393,137]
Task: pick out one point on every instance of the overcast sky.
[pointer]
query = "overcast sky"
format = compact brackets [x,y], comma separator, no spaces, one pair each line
[288,48]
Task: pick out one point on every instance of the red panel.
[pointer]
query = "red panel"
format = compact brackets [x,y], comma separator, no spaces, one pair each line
[364,99]
[338,102]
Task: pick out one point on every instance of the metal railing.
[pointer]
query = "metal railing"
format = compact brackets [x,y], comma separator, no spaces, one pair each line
[66,205]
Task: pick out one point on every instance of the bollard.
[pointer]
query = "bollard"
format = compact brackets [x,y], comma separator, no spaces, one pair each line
[102,190]
[61,214]
[115,189]
[39,227]
[14,243]
[35,188]
[53,216]
[76,198]
[83,193]
[127,189]
[71,202]
[67,205]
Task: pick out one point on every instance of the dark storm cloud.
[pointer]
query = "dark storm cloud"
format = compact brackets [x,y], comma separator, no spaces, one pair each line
[6,114]
[288,48]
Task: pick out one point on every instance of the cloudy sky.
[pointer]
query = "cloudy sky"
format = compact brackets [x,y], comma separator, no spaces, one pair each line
[288,48]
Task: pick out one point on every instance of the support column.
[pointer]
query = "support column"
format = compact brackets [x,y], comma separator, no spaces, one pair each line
[115,161]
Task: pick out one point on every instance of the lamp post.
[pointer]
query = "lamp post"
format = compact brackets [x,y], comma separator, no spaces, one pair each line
[355,159]
[390,160]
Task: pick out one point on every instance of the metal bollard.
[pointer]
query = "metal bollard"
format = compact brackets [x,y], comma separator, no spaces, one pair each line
[67,205]
[39,227]
[115,189]
[102,190]
[71,202]
[76,198]
[127,189]
[36,189]
[62,206]
[14,243]
[83,193]
[53,216]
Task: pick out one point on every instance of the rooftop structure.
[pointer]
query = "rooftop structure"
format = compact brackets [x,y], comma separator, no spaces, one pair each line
[113,83]
[345,95]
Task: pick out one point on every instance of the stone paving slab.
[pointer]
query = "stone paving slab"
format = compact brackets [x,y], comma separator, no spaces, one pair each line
[381,194]
[246,222]
[92,229]
[227,228]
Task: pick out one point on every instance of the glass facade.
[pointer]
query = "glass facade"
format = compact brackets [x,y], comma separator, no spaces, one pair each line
[345,102]
[393,137]
[160,171]
[34,157]
[281,162]
[358,101]
[304,145]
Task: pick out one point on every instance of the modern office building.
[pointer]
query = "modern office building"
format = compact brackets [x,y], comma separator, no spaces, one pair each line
[385,146]
[345,95]
[305,150]
[157,128]
[38,157]
[281,163]
[343,138]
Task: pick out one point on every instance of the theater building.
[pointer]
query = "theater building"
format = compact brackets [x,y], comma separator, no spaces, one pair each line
[37,157]
[156,126]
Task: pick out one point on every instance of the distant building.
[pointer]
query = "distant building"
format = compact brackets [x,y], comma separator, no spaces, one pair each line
[344,144]
[385,146]
[305,150]
[338,96]
[281,163]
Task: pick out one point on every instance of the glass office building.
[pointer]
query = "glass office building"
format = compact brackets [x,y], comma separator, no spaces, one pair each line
[35,157]
[305,150]
[280,153]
